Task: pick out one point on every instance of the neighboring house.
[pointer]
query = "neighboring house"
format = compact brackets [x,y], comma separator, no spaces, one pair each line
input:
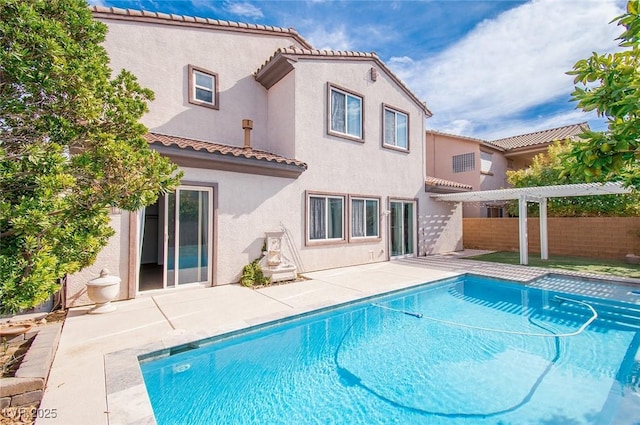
[271,134]
[458,163]
[520,150]
[465,163]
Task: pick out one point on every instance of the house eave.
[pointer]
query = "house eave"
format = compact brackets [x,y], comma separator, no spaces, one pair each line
[275,71]
[444,189]
[214,161]
[118,14]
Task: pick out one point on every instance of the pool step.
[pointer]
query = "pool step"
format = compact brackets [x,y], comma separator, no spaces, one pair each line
[608,311]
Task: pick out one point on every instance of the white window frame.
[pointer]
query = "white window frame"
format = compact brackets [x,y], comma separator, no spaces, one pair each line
[310,221]
[193,86]
[376,217]
[393,144]
[359,135]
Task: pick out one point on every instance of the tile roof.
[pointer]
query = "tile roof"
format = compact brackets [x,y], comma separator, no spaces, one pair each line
[194,21]
[541,137]
[218,149]
[296,52]
[471,139]
[442,133]
[317,52]
[442,184]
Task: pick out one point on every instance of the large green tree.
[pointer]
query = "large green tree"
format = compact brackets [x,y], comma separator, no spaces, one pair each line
[71,146]
[610,85]
[547,169]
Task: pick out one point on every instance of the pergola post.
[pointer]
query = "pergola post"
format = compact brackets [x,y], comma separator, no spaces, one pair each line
[524,238]
[535,194]
[544,240]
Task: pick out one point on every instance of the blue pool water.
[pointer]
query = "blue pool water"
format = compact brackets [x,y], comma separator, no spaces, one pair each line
[483,352]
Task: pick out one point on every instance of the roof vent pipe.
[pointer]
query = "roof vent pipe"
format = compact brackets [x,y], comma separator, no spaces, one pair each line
[247,126]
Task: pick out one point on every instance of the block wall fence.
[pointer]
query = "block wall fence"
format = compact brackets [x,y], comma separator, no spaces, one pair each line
[595,237]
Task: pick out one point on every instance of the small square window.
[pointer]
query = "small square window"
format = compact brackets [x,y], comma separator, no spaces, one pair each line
[396,129]
[345,113]
[203,87]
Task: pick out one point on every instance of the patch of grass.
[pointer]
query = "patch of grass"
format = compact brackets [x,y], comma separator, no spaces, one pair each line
[576,264]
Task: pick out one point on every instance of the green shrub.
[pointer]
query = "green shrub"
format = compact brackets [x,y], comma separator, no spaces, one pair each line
[252,275]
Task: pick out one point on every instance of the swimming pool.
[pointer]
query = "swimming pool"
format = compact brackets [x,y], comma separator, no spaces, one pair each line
[466,350]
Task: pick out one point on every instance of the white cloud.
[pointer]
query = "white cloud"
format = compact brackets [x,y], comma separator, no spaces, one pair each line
[335,39]
[462,127]
[511,63]
[343,36]
[246,10]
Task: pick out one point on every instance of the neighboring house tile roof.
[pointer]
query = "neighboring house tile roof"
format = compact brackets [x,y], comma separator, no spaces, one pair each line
[471,139]
[541,137]
[191,21]
[434,184]
[223,150]
[283,60]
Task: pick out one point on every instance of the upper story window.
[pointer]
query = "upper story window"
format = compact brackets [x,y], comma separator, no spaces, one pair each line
[325,217]
[486,161]
[464,162]
[203,87]
[396,129]
[365,218]
[345,113]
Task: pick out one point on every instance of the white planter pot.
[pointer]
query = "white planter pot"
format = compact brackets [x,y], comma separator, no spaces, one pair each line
[102,291]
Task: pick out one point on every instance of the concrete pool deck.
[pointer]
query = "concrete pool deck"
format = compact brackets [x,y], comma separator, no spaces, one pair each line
[77,386]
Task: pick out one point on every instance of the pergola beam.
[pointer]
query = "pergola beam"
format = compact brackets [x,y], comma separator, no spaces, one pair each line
[535,194]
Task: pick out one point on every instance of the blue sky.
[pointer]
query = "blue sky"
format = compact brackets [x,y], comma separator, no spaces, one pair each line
[487,69]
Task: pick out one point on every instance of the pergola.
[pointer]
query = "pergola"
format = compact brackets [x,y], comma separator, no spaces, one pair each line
[539,195]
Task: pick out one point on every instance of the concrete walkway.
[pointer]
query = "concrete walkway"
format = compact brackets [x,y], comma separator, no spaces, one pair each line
[76,387]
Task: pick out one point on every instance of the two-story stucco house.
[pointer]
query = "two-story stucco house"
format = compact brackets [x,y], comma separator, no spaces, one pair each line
[271,134]
[460,163]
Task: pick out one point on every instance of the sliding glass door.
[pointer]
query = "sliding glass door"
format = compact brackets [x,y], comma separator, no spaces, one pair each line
[175,239]
[402,228]
[188,224]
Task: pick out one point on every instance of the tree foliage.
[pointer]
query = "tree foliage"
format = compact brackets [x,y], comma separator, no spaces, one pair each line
[610,85]
[547,169]
[71,146]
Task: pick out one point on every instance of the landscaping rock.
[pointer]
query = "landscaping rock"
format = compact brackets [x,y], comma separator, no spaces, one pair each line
[26,398]
[5,402]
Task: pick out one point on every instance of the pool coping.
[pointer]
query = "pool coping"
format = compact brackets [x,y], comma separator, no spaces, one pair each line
[128,402]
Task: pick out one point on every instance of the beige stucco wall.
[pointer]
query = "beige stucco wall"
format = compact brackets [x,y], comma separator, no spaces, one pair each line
[338,165]
[248,206]
[441,225]
[440,148]
[497,179]
[281,115]
[114,257]
[289,119]
[160,56]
